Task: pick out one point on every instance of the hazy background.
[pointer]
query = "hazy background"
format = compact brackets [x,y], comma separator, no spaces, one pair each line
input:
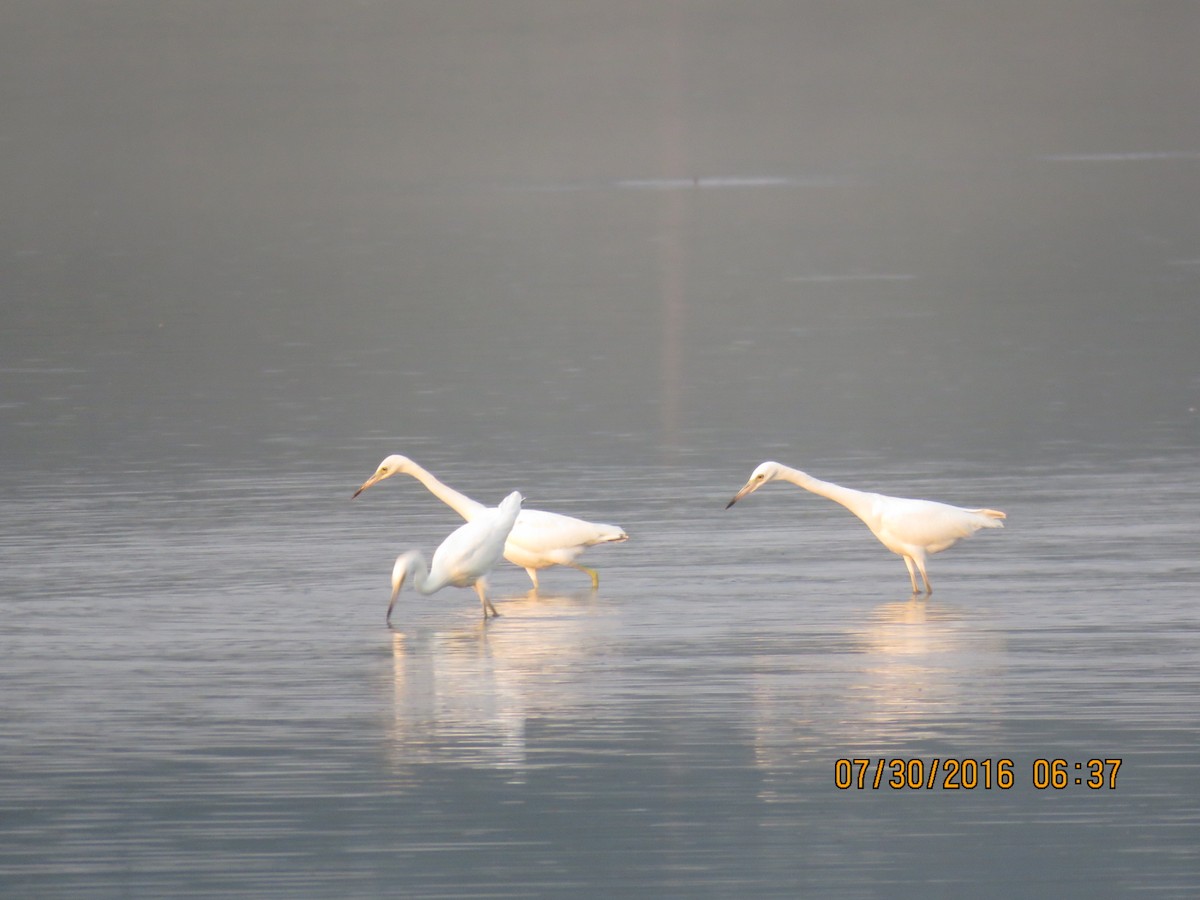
[298,228]
[612,254]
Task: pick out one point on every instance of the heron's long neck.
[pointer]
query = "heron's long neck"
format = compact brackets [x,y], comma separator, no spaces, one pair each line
[460,503]
[858,502]
[413,568]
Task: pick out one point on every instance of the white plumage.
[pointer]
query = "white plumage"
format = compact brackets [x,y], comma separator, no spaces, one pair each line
[913,529]
[463,559]
[538,539]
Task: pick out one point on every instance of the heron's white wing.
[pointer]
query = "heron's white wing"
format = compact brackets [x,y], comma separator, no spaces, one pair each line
[927,523]
[470,550]
[543,532]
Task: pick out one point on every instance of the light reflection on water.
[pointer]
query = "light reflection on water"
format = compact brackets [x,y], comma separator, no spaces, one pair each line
[464,695]
[614,260]
[165,698]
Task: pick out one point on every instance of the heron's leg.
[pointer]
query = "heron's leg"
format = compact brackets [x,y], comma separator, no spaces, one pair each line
[532,576]
[912,574]
[924,575]
[592,573]
[481,590]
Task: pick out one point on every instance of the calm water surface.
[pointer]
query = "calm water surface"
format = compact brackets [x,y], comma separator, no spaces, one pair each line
[612,255]
[201,696]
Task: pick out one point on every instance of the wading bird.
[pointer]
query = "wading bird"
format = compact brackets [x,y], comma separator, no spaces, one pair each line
[911,528]
[463,559]
[538,540]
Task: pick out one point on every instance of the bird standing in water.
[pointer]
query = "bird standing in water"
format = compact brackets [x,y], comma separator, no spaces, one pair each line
[463,559]
[538,539]
[913,529]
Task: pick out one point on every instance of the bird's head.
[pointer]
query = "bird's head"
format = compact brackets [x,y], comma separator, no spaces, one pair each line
[765,472]
[406,564]
[511,505]
[389,467]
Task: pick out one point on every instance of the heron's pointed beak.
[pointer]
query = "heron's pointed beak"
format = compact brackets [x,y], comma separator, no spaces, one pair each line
[392,602]
[374,479]
[749,488]
[400,572]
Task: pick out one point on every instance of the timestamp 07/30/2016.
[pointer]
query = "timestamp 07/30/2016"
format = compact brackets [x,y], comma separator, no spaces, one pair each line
[965,773]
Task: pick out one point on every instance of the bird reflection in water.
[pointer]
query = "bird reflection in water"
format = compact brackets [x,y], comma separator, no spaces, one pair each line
[923,665]
[453,703]
[462,696]
[907,668]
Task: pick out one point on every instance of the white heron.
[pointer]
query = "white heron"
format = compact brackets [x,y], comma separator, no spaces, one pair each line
[538,539]
[463,559]
[913,529]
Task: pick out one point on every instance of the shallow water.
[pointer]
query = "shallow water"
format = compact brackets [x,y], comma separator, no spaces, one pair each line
[612,257]
[201,696]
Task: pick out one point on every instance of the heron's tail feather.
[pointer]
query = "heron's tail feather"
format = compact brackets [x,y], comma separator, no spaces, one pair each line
[993,515]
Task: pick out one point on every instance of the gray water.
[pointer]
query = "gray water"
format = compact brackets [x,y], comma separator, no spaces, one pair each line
[612,256]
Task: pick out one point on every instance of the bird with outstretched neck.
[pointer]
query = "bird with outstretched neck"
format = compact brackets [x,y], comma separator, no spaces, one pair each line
[913,529]
[538,539]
